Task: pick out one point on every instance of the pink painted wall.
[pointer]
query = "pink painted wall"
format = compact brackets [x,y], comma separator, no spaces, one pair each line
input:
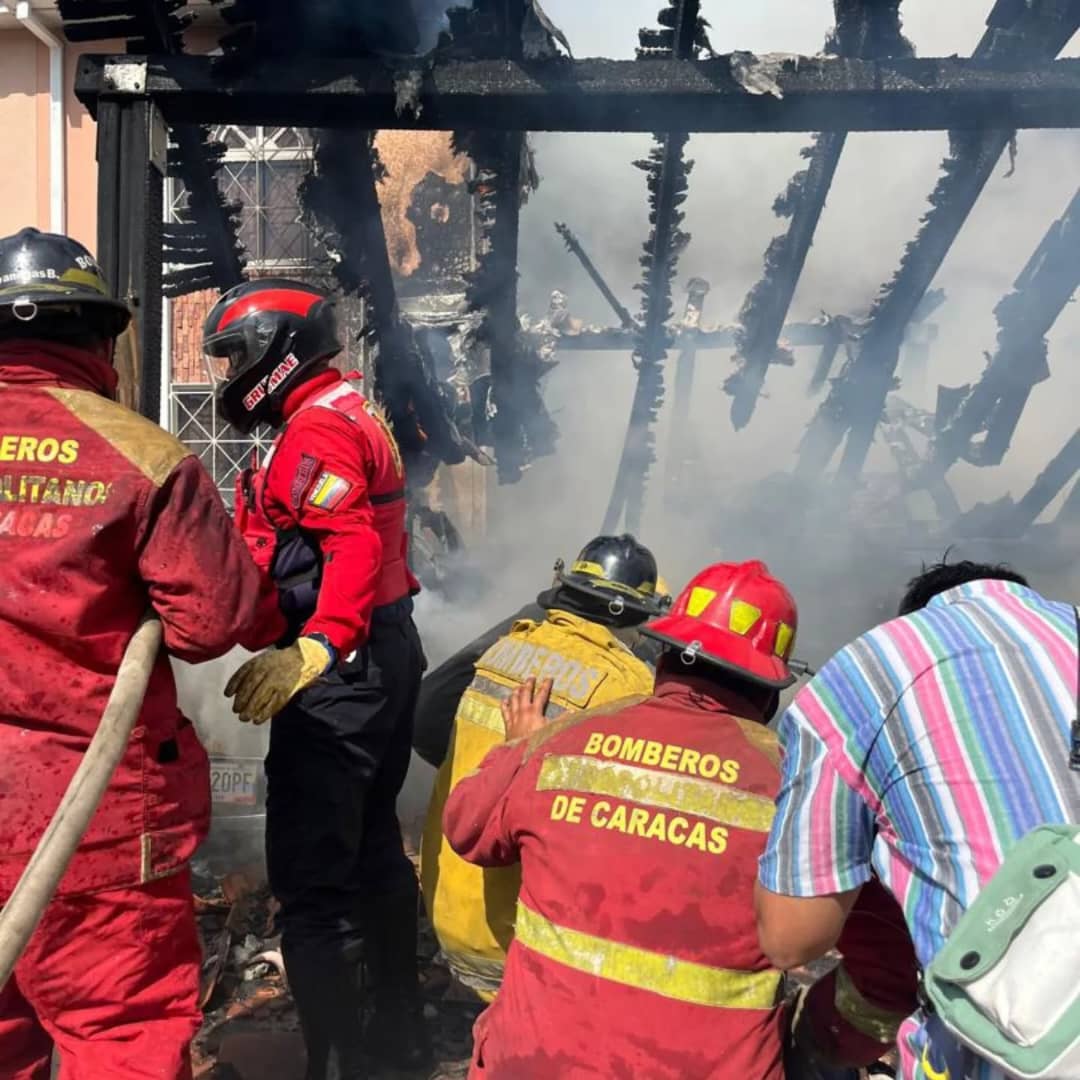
[22,84]
[24,148]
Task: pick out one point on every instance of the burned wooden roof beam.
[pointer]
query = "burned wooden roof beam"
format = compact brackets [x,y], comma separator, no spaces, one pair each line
[1017,33]
[617,339]
[206,251]
[573,245]
[864,28]
[816,94]
[681,34]
[996,402]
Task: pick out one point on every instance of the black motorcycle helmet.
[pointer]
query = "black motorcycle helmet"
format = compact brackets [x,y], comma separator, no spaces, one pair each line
[617,570]
[270,332]
[52,288]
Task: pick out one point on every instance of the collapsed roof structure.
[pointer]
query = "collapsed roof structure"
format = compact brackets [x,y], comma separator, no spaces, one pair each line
[500,69]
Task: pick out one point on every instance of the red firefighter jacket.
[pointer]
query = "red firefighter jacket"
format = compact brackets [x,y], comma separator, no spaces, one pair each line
[102,515]
[855,1011]
[636,952]
[336,474]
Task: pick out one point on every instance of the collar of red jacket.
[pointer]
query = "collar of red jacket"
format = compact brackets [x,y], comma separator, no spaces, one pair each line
[48,363]
[296,398]
[703,694]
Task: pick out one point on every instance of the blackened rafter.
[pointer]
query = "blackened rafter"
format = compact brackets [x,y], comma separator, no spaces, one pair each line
[865,29]
[1016,32]
[203,252]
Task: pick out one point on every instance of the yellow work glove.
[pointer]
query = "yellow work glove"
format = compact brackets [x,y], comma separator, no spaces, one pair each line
[269,681]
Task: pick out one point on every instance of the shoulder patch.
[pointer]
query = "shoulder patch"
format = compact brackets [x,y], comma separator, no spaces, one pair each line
[329,491]
[150,448]
[301,479]
[564,723]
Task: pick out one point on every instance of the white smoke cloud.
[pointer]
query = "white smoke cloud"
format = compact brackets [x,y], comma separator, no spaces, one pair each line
[873,211]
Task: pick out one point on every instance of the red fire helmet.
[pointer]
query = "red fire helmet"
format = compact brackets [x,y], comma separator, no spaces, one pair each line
[736,616]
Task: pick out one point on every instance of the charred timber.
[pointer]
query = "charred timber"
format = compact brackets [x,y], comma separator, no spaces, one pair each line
[682,34]
[1008,518]
[616,339]
[341,202]
[817,94]
[158,26]
[994,405]
[521,427]
[1017,33]
[573,245]
[864,29]
[684,464]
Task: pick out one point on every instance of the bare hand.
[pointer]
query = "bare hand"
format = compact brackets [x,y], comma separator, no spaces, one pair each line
[523,711]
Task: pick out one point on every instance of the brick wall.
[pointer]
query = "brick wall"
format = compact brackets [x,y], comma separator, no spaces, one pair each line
[188,315]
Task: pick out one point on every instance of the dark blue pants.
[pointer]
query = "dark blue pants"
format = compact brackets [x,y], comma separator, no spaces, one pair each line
[338,757]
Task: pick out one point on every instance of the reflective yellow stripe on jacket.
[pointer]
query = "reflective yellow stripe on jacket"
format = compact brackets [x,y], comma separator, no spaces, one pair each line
[863,1015]
[668,976]
[472,910]
[649,787]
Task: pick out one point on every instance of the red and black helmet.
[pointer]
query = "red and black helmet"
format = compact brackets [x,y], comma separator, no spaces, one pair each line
[269,331]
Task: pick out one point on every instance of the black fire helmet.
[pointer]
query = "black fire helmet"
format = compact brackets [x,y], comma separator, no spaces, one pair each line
[270,332]
[617,570]
[51,287]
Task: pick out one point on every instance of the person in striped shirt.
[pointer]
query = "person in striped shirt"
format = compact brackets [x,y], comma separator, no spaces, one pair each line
[921,753]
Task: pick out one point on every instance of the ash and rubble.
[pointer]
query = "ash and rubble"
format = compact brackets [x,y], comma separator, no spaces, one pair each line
[251,1030]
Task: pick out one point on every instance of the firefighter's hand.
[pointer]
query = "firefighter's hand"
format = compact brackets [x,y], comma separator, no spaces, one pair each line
[269,681]
[523,711]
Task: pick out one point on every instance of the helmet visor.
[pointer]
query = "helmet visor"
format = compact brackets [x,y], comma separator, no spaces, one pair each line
[231,352]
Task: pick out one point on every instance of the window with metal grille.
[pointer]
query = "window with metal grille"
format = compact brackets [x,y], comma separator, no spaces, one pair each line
[262,171]
[224,451]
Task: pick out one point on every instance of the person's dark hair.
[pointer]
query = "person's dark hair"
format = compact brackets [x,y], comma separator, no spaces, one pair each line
[945,575]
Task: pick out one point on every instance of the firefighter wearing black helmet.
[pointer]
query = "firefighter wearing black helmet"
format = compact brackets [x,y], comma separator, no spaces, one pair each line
[101,514]
[586,643]
[324,516]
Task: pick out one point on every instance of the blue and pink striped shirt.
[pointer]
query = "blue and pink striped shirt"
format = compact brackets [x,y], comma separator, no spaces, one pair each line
[922,752]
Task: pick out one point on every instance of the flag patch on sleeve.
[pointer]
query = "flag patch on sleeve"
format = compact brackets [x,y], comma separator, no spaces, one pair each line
[329,491]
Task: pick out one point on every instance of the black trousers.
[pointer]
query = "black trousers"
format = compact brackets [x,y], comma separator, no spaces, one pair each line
[338,757]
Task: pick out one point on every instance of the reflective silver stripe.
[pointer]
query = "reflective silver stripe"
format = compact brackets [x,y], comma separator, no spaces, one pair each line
[657,973]
[651,787]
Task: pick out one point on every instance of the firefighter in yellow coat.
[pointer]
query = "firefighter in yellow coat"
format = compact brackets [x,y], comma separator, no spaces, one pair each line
[586,644]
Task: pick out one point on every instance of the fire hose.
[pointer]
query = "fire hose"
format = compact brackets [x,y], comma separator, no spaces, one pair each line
[23,911]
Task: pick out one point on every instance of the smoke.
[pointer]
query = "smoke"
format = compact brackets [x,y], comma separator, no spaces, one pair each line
[846,577]
[431,18]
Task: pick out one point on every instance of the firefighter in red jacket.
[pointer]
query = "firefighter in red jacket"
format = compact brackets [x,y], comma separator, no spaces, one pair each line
[638,831]
[102,514]
[325,516]
[851,1016]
